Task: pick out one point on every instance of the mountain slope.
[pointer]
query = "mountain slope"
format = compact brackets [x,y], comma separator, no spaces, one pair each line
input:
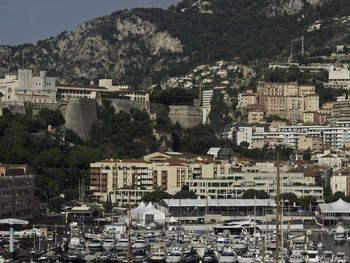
[142,46]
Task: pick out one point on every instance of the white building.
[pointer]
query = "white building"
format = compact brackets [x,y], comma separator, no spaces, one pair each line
[262,176]
[337,135]
[329,160]
[206,104]
[107,83]
[339,183]
[338,77]
[27,88]
[8,86]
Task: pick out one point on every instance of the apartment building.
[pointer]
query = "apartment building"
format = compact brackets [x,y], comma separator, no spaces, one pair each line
[247,98]
[306,89]
[258,177]
[266,89]
[108,177]
[336,135]
[312,102]
[276,105]
[256,116]
[338,77]
[341,111]
[16,192]
[206,104]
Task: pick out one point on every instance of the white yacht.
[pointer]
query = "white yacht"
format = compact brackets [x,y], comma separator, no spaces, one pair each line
[122,244]
[341,258]
[158,257]
[312,256]
[228,256]
[296,257]
[327,257]
[108,244]
[220,244]
[246,258]
[95,244]
[339,235]
[175,256]
[74,243]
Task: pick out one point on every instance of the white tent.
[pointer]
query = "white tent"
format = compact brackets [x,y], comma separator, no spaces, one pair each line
[148,214]
[172,220]
[337,207]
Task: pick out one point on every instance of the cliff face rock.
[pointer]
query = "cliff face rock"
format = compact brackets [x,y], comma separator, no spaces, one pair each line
[125,48]
[290,7]
[145,46]
[269,7]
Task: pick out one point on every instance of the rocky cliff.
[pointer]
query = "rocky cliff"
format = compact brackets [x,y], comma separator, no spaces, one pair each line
[121,46]
[144,46]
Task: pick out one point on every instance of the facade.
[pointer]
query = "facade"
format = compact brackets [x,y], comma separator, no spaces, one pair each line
[308,142]
[340,183]
[109,178]
[206,104]
[256,116]
[17,195]
[332,213]
[8,86]
[134,95]
[28,88]
[338,77]
[107,83]
[312,102]
[229,187]
[216,210]
[67,91]
[276,105]
[336,135]
[247,98]
[341,111]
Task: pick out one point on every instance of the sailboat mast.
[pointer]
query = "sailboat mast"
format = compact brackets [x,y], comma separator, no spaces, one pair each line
[129,229]
[277,205]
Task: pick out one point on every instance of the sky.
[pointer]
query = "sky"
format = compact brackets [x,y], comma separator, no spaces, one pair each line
[27,21]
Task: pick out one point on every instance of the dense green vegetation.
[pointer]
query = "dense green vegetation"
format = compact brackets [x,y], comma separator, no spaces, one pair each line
[122,135]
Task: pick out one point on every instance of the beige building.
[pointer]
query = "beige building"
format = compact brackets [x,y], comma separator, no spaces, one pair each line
[309,117]
[295,104]
[135,95]
[67,91]
[307,142]
[262,176]
[290,89]
[247,98]
[256,116]
[306,89]
[312,102]
[275,124]
[341,111]
[155,170]
[276,105]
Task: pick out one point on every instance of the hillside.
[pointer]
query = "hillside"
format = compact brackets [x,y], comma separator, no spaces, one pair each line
[143,46]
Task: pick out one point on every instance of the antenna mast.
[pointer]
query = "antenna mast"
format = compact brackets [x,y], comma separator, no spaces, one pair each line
[277,204]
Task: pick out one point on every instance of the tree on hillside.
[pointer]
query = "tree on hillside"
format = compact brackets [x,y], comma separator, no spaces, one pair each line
[219,113]
[185,193]
[156,196]
[252,194]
